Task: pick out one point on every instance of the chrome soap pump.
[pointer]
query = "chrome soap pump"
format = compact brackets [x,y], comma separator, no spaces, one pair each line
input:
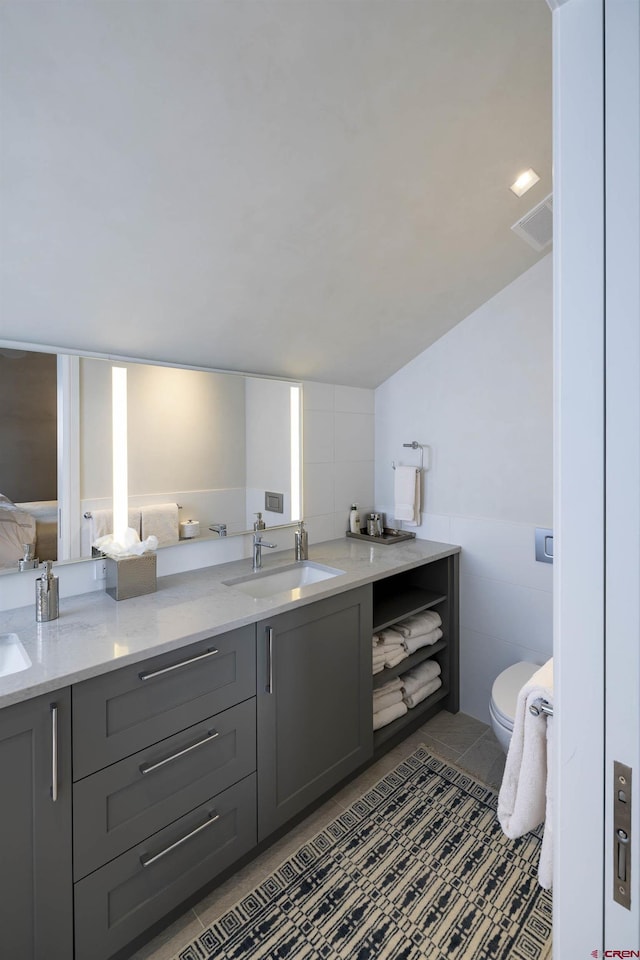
[46,595]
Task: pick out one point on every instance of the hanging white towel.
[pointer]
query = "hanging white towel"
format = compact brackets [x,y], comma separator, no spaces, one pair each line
[525,798]
[160,520]
[407,495]
[101,522]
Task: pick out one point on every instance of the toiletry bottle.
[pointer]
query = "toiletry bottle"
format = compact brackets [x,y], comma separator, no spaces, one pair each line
[259,524]
[301,549]
[354,519]
[46,595]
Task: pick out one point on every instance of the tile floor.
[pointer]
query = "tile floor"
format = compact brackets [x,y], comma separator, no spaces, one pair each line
[466,741]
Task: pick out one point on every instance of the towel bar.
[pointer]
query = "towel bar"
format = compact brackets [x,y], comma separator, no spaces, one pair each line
[414,445]
[541,706]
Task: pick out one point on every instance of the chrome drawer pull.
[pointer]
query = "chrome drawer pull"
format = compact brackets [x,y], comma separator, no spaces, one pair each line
[147,861]
[176,666]
[150,767]
[54,752]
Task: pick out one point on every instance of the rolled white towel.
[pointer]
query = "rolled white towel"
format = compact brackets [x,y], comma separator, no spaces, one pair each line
[395,684]
[391,713]
[412,699]
[411,644]
[381,703]
[419,676]
[420,623]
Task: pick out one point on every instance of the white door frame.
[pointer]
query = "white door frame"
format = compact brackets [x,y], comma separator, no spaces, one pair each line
[597,464]
[622,519]
[578,479]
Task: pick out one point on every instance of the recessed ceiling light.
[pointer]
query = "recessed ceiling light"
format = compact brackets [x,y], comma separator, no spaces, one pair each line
[524,182]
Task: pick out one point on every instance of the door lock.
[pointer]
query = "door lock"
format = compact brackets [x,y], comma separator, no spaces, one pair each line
[622,834]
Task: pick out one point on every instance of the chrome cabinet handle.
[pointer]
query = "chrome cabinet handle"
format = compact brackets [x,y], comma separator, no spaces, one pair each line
[150,767]
[269,686]
[176,666]
[147,861]
[54,752]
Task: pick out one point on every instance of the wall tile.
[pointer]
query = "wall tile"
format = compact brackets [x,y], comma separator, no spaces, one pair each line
[354,436]
[320,528]
[319,489]
[353,484]
[482,658]
[354,400]
[318,396]
[435,527]
[501,551]
[318,437]
[516,615]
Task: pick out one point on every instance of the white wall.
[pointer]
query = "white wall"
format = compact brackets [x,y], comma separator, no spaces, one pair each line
[481,399]
[338,439]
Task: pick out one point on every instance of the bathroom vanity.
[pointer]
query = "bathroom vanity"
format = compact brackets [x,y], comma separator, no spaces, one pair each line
[153,744]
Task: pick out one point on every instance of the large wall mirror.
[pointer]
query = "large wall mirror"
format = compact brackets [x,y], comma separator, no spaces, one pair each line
[203,448]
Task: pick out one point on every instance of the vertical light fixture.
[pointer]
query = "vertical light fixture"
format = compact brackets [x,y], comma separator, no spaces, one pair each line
[295,454]
[119,434]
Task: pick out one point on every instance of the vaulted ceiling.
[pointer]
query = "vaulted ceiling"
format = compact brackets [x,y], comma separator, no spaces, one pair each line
[308,188]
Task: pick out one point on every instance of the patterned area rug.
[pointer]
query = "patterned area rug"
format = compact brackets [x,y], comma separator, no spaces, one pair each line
[416,869]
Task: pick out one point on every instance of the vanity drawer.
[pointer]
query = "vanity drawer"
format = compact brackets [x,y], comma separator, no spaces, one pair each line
[126,802]
[120,713]
[121,900]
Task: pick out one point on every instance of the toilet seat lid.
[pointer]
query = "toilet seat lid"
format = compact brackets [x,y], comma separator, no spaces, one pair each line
[507,686]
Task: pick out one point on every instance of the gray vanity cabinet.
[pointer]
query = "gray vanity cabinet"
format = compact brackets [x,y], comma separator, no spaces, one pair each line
[313,702]
[36,919]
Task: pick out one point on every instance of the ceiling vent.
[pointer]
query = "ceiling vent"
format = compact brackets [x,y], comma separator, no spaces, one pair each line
[536,227]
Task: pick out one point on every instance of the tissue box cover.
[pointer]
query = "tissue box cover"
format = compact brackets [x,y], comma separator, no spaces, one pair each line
[131,576]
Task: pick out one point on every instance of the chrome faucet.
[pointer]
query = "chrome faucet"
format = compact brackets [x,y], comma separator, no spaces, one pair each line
[258,544]
[219,528]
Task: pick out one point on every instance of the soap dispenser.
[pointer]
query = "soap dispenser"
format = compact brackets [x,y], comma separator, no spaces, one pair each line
[259,524]
[47,595]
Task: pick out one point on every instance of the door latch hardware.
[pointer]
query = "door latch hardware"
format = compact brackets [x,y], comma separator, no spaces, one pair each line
[622,834]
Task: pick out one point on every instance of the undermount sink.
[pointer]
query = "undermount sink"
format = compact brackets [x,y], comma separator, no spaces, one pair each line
[13,656]
[267,583]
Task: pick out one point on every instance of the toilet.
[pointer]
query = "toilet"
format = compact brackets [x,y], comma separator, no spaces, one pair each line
[504,696]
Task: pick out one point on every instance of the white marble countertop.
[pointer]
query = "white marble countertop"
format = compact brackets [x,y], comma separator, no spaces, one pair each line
[95,634]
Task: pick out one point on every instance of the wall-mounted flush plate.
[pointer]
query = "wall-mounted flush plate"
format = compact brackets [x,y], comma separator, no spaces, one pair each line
[274,502]
[544,545]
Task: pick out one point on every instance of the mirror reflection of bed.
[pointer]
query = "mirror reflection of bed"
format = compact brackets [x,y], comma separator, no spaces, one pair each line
[33,523]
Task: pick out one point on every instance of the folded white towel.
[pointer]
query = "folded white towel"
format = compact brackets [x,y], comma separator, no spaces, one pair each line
[381,703]
[393,659]
[525,798]
[101,522]
[390,635]
[395,684]
[412,699]
[377,668]
[419,676]
[160,520]
[419,623]
[407,495]
[391,713]
[411,644]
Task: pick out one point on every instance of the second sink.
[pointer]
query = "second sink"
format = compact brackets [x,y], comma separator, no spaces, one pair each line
[283,579]
[13,656]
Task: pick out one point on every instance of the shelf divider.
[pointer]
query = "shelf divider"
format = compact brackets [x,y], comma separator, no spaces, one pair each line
[392,608]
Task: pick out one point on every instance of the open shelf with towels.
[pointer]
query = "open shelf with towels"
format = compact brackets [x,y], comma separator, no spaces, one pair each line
[430,586]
